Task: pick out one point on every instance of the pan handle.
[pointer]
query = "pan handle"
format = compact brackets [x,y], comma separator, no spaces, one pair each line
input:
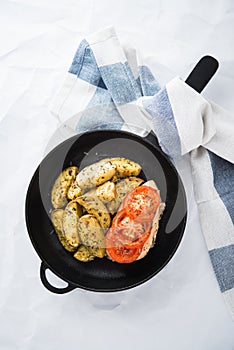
[51,288]
[202,73]
[197,79]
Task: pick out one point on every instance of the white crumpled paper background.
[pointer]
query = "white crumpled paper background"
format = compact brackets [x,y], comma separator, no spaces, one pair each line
[181,307]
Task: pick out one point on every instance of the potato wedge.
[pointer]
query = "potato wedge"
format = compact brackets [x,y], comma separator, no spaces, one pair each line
[106,192]
[122,188]
[95,174]
[94,206]
[83,254]
[70,220]
[125,167]
[74,191]
[92,235]
[73,206]
[61,186]
[57,221]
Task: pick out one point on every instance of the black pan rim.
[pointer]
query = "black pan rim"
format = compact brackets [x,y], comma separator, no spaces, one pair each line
[44,260]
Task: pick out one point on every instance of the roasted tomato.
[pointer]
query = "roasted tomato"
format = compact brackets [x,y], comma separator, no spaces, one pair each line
[125,239]
[131,227]
[128,228]
[142,203]
[123,255]
[121,251]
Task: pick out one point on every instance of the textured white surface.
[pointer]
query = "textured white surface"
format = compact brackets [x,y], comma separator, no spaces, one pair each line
[181,308]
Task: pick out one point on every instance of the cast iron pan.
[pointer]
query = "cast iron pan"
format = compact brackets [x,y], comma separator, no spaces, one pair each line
[103,275]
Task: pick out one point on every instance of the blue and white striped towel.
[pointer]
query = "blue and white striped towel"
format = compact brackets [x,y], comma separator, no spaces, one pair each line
[103,74]
[187,123]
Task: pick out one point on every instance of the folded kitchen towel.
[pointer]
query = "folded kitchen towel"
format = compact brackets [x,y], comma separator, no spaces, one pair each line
[187,123]
[105,81]
[108,87]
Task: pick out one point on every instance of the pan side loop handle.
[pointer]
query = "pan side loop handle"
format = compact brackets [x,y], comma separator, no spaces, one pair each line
[51,288]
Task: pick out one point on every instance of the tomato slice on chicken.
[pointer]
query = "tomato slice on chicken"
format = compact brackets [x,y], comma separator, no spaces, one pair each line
[123,255]
[118,250]
[125,239]
[139,242]
[141,203]
[130,229]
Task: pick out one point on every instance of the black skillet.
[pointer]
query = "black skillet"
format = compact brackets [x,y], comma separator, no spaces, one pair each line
[103,275]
